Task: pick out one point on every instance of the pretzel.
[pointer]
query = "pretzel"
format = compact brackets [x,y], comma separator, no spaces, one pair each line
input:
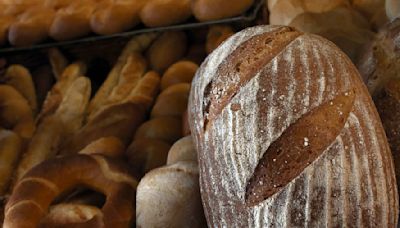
[33,195]
[15,112]
[19,77]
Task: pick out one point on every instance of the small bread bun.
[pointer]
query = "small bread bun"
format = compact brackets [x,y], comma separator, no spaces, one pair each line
[172,101]
[216,35]
[207,10]
[180,72]
[167,129]
[166,50]
[182,150]
[115,16]
[73,21]
[158,13]
[147,154]
[31,27]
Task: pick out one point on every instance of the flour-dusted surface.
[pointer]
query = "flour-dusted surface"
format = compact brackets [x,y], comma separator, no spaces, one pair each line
[351,184]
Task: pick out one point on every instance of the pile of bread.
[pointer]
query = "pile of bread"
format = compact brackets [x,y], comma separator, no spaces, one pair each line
[26,22]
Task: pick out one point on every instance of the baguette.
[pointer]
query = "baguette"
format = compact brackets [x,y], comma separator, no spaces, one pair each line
[157,13]
[287,135]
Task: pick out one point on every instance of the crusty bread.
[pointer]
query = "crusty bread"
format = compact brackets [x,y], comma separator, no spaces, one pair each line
[288,136]
[156,13]
[170,197]
[207,10]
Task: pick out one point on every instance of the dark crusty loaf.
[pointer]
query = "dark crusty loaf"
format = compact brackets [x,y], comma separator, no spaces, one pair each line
[288,136]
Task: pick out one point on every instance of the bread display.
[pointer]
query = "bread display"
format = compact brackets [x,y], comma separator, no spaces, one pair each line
[33,195]
[287,135]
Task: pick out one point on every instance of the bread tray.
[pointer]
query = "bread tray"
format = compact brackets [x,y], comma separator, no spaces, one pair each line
[249,16]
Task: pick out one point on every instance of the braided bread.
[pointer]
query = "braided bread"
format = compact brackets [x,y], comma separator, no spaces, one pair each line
[15,112]
[34,193]
[287,135]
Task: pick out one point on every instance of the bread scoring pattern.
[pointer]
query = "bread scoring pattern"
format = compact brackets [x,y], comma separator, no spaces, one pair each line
[350,184]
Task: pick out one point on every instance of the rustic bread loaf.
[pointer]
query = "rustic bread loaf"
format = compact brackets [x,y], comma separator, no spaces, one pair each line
[288,136]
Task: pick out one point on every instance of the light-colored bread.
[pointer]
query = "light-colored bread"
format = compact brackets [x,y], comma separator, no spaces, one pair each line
[287,135]
[72,21]
[167,129]
[31,27]
[170,197]
[10,152]
[166,50]
[179,72]
[157,13]
[182,150]
[147,154]
[32,196]
[208,10]
[20,78]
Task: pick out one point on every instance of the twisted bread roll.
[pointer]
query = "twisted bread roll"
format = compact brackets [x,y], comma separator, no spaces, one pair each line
[182,150]
[157,13]
[216,35]
[10,150]
[15,112]
[392,9]
[208,10]
[31,27]
[172,101]
[52,130]
[107,146]
[166,50]
[19,77]
[114,16]
[72,21]
[170,197]
[147,154]
[179,72]
[136,44]
[119,120]
[287,135]
[167,129]
[72,215]
[34,193]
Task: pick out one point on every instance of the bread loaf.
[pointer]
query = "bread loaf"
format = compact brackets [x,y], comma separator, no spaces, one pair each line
[288,136]
[156,13]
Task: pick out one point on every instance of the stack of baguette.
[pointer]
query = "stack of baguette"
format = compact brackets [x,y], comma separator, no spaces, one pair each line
[26,22]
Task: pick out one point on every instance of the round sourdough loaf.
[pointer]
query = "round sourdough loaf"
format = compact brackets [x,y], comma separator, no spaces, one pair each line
[287,136]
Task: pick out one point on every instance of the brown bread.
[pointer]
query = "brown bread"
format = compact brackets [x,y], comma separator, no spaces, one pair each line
[288,136]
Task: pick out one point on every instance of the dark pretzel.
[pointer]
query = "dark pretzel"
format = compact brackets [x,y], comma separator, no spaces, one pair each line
[35,192]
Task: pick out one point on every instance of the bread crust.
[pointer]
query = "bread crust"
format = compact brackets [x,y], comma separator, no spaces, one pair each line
[237,113]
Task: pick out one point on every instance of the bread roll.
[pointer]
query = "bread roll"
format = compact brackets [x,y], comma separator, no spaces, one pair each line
[182,150]
[31,27]
[208,10]
[10,151]
[288,136]
[5,23]
[170,197]
[282,12]
[216,35]
[72,21]
[172,101]
[167,129]
[344,26]
[115,16]
[166,50]
[179,72]
[156,13]
[392,9]
[147,154]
